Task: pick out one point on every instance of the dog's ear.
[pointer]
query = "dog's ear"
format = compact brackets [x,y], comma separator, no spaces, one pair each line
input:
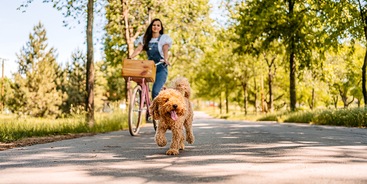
[187,93]
[153,108]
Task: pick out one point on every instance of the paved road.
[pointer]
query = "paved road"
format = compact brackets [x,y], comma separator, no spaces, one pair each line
[224,152]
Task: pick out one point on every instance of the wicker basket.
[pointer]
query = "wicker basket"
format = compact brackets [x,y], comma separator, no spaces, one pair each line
[139,69]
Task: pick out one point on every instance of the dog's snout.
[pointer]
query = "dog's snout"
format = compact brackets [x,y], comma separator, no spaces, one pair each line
[174,106]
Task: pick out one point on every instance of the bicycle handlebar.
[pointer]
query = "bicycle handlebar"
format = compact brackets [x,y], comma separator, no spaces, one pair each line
[159,63]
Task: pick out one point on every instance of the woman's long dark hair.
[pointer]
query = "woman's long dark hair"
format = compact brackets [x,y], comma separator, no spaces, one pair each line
[149,33]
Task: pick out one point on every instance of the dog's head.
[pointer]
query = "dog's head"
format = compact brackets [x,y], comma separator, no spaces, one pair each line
[169,104]
[182,84]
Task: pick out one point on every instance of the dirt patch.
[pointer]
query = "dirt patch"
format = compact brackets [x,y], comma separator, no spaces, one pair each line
[39,140]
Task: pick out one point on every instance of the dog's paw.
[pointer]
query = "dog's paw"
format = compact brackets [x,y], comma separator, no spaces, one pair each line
[161,142]
[190,139]
[172,152]
[182,146]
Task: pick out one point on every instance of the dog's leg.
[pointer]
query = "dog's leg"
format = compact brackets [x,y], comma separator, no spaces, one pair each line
[176,139]
[189,132]
[182,141]
[160,136]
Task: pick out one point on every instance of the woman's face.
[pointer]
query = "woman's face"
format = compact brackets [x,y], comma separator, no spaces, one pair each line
[156,27]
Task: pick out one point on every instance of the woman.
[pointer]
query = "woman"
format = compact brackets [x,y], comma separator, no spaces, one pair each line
[156,45]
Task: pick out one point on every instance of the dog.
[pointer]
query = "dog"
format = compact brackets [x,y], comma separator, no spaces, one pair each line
[172,108]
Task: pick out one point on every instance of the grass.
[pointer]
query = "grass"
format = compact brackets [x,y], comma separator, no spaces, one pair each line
[349,117]
[12,128]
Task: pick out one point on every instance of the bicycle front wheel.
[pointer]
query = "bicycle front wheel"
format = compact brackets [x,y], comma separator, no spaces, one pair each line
[135,111]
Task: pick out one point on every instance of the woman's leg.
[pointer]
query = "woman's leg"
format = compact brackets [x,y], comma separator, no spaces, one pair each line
[160,79]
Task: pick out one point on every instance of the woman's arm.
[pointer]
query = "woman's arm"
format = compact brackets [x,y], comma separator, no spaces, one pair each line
[165,53]
[136,51]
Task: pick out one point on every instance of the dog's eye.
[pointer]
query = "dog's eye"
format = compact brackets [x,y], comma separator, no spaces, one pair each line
[166,100]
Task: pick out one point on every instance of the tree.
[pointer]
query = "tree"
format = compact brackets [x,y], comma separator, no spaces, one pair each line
[345,76]
[35,88]
[291,22]
[75,9]
[74,83]
[6,87]
[347,20]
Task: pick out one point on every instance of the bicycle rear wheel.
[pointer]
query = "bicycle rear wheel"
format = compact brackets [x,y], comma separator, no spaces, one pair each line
[135,111]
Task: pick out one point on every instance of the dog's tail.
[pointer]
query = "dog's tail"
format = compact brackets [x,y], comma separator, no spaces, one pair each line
[182,85]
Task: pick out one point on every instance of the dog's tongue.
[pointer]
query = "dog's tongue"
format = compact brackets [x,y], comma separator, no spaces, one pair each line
[174,115]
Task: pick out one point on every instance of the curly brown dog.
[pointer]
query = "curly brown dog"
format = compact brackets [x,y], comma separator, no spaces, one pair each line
[173,110]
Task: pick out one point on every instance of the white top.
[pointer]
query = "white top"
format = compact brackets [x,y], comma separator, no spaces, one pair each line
[165,39]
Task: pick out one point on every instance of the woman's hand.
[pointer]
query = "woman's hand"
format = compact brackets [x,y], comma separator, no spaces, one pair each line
[165,61]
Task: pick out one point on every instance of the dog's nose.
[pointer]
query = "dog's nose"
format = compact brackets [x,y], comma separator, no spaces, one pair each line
[174,106]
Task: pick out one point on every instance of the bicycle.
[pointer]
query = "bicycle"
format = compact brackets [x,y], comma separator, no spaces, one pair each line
[141,73]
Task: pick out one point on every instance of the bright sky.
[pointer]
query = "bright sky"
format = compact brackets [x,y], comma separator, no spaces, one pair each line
[16,27]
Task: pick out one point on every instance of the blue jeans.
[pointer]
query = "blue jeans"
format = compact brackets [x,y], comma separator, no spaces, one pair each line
[160,79]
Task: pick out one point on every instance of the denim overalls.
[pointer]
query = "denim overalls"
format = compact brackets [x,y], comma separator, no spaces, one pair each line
[162,72]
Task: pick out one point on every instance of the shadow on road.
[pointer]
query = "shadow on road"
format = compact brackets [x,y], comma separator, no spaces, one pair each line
[224,151]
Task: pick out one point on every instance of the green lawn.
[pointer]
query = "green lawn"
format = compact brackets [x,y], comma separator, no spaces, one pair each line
[13,128]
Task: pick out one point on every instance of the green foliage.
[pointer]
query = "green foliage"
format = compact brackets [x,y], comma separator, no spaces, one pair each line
[115,84]
[291,23]
[353,117]
[35,88]
[278,116]
[231,63]
[300,117]
[126,20]
[74,83]
[5,84]
[100,87]
[191,29]
[270,117]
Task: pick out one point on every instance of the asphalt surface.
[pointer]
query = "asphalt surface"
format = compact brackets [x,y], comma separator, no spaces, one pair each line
[224,152]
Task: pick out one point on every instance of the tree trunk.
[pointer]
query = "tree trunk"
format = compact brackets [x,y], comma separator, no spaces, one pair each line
[130,44]
[263,106]
[255,96]
[220,104]
[292,78]
[312,106]
[292,63]
[270,85]
[130,38]
[335,101]
[245,96]
[227,102]
[2,86]
[90,66]
[364,90]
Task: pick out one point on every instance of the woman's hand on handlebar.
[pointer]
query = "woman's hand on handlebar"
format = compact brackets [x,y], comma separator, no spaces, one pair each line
[166,62]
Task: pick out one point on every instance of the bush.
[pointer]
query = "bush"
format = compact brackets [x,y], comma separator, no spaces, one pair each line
[355,117]
[300,117]
[273,117]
